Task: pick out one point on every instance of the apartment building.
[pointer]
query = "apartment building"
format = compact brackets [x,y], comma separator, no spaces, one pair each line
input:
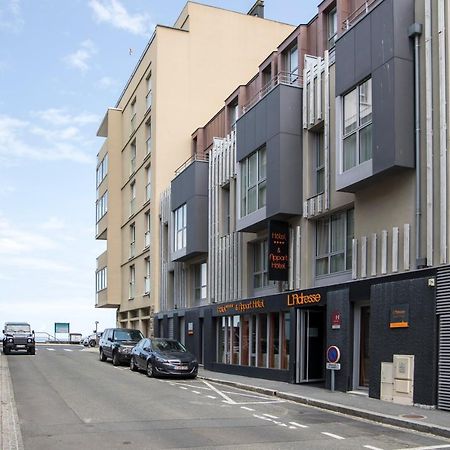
[179,82]
[325,196]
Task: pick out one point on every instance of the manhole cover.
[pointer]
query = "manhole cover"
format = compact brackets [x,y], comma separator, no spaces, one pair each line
[412,416]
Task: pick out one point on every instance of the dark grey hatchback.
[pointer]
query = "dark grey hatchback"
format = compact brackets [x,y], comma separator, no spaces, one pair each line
[162,357]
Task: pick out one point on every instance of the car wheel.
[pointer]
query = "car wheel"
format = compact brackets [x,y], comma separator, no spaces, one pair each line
[32,351]
[6,351]
[115,359]
[150,371]
[133,366]
[91,343]
[102,356]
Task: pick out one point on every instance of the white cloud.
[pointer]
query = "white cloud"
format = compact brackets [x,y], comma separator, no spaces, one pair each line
[114,13]
[21,139]
[60,116]
[80,58]
[107,82]
[53,224]
[11,19]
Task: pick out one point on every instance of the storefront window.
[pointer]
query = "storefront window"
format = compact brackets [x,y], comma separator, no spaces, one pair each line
[221,333]
[235,340]
[253,342]
[262,344]
[274,345]
[245,329]
[285,339]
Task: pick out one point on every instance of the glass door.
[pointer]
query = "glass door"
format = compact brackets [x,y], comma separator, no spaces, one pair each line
[310,345]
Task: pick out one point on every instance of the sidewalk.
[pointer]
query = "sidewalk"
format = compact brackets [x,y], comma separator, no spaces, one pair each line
[432,421]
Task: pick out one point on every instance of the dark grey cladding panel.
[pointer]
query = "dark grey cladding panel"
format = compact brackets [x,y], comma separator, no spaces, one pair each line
[393,112]
[278,112]
[197,225]
[193,181]
[284,172]
[373,41]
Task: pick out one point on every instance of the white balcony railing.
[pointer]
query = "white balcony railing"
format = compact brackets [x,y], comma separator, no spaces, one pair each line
[147,239]
[147,284]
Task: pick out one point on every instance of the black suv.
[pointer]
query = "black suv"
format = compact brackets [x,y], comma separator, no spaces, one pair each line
[18,336]
[117,343]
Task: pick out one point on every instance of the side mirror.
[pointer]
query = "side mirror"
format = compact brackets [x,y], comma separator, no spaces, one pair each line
[110,339]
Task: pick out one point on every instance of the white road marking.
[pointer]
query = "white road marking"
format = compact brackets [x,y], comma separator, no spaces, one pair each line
[224,396]
[370,447]
[67,350]
[196,392]
[272,417]
[298,425]
[292,428]
[260,417]
[247,409]
[51,349]
[182,387]
[431,447]
[211,396]
[335,436]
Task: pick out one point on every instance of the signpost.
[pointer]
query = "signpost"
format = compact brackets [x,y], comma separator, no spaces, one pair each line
[333,357]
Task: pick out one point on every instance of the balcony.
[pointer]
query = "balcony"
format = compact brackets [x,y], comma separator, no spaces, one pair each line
[288,78]
[147,239]
[101,228]
[147,284]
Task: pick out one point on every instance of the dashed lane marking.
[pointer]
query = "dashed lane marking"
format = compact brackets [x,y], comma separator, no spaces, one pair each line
[196,392]
[272,417]
[431,447]
[370,447]
[247,409]
[185,388]
[67,350]
[211,396]
[295,424]
[50,349]
[334,436]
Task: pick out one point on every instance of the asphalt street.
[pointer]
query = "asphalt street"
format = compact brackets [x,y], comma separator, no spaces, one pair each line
[67,399]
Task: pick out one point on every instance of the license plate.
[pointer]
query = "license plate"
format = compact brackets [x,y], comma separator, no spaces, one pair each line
[181,367]
[20,346]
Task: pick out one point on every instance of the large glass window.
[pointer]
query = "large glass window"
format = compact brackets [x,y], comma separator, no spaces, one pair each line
[253,182]
[102,170]
[132,240]
[132,282]
[133,157]
[132,198]
[148,130]
[180,228]
[320,163]
[292,64]
[148,186]
[133,116]
[147,229]
[102,206]
[149,91]
[357,125]
[334,237]
[260,263]
[332,28]
[200,282]
[101,280]
[147,276]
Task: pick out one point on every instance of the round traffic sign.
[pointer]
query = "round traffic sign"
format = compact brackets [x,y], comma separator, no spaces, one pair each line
[333,354]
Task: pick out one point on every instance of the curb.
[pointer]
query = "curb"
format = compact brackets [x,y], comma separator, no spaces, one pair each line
[436,430]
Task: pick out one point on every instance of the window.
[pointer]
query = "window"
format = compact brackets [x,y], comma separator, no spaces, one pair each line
[148,127]
[148,186]
[253,182]
[260,263]
[357,126]
[233,110]
[132,240]
[149,91]
[180,228]
[132,197]
[332,28]
[200,282]
[102,206]
[147,276]
[292,64]
[132,157]
[225,209]
[102,170]
[334,237]
[320,165]
[133,116]
[132,282]
[101,281]
[147,229]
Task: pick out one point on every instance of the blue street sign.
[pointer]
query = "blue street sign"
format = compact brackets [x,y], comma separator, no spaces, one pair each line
[333,354]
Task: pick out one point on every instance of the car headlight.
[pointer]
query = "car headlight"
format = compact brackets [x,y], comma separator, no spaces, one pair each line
[161,360]
[30,340]
[124,350]
[10,340]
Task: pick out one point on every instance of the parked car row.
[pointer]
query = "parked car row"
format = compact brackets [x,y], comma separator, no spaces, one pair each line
[155,356]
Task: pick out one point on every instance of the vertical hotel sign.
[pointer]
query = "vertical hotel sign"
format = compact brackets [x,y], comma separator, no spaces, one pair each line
[278,251]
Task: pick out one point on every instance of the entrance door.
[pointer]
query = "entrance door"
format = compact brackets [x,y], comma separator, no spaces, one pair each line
[310,345]
[361,357]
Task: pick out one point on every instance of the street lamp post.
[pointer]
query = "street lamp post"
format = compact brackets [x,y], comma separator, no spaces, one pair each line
[96,326]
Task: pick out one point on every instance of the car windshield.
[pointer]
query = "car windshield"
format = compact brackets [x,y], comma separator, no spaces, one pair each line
[128,335]
[168,346]
[18,328]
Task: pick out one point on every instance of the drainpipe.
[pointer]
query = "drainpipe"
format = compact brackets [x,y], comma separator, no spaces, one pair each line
[414,32]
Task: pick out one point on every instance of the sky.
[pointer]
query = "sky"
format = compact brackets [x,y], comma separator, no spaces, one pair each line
[62,64]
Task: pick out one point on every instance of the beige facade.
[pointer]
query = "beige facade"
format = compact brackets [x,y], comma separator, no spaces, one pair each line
[179,82]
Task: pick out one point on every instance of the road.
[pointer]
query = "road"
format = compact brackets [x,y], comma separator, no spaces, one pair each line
[67,399]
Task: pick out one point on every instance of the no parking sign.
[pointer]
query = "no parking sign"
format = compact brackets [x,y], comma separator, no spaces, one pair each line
[333,357]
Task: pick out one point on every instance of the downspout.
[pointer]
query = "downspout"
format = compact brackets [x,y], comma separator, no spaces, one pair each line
[415,31]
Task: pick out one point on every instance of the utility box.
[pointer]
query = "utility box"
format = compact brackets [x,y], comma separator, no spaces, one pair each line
[403,379]
[387,381]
